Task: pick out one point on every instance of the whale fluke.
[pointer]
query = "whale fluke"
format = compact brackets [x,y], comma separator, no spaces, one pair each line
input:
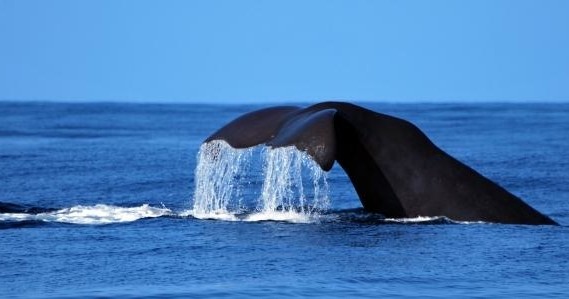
[395,168]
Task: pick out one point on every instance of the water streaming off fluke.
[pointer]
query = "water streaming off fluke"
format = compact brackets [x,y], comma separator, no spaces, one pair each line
[292,186]
[216,179]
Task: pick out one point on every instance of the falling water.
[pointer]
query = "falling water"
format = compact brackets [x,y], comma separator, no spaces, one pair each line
[216,179]
[283,187]
[294,188]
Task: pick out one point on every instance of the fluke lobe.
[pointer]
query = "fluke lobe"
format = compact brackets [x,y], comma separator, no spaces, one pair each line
[395,168]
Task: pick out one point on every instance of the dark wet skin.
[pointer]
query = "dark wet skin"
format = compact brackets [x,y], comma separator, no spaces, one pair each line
[394,167]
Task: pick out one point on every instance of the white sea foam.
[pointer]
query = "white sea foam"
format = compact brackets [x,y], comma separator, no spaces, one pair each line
[280,216]
[417,219]
[97,214]
[426,219]
[284,216]
[213,215]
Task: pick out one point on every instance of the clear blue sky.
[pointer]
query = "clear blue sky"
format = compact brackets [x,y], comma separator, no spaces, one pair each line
[279,51]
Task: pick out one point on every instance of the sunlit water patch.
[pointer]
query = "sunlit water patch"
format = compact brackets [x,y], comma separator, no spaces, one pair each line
[293,187]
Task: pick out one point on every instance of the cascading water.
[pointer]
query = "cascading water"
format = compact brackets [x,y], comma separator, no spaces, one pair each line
[294,188]
[283,190]
[216,179]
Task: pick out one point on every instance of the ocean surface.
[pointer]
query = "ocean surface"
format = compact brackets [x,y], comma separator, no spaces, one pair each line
[108,200]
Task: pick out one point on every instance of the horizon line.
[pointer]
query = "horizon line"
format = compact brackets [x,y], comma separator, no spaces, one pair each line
[276,102]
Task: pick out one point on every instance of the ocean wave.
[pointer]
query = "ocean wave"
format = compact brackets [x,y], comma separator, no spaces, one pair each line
[211,215]
[282,216]
[362,217]
[429,220]
[97,214]
[18,216]
[342,216]
[277,216]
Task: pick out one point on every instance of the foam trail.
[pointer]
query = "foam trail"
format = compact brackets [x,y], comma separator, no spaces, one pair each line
[97,214]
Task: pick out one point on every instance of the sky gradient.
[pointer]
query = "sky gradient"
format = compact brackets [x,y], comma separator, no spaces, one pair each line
[284,51]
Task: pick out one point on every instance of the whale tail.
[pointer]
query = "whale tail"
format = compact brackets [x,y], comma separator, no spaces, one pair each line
[395,168]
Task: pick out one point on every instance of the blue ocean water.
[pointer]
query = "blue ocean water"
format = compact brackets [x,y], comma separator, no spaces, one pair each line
[102,191]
